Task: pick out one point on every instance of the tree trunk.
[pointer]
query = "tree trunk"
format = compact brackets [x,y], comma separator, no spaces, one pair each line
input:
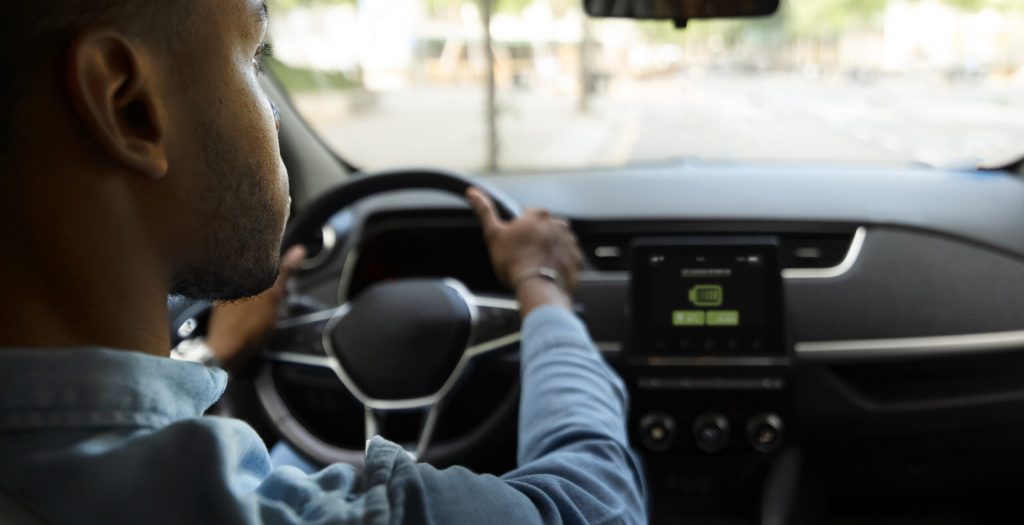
[486,9]
[585,67]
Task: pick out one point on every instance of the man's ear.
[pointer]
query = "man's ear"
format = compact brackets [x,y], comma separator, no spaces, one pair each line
[114,90]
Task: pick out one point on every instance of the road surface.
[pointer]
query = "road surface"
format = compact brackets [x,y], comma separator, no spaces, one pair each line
[718,117]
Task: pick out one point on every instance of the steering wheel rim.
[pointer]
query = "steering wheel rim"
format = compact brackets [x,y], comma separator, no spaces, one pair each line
[317,213]
[302,229]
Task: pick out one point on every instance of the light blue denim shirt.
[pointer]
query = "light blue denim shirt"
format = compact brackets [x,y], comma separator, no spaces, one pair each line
[89,435]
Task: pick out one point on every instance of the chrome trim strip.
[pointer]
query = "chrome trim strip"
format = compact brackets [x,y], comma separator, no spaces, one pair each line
[315,317]
[716,361]
[490,302]
[830,273]
[597,276]
[712,383]
[370,426]
[348,268]
[298,359]
[427,432]
[494,344]
[608,346]
[879,349]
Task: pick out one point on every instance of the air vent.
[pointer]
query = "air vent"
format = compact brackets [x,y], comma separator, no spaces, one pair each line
[813,251]
[607,252]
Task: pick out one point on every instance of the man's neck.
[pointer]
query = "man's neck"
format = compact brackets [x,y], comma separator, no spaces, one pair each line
[76,269]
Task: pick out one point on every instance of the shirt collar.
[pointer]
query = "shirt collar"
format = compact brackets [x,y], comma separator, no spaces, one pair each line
[97,387]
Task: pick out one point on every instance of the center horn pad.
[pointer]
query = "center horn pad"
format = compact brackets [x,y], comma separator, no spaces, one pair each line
[403,339]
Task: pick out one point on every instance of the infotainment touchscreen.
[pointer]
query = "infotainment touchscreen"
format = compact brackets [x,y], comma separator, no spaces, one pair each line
[710,296]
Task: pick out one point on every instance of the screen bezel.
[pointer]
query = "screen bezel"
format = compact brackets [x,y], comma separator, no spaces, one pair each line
[642,337]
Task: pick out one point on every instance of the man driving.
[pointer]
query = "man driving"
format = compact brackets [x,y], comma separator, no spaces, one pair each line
[139,158]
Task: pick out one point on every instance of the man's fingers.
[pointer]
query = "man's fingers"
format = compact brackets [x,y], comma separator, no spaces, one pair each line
[484,208]
[291,260]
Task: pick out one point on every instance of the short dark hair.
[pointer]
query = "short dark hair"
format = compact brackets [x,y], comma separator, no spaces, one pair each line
[35,33]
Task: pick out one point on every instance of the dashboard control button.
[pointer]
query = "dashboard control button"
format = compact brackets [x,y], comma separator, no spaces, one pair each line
[658,431]
[712,432]
[765,432]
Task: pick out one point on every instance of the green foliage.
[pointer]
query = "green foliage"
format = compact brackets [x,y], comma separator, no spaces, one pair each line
[977,5]
[285,5]
[512,6]
[798,19]
[509,6]
[829,17]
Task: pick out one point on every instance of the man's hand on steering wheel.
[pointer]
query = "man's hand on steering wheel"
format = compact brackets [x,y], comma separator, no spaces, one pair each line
[238,330]
[536,255]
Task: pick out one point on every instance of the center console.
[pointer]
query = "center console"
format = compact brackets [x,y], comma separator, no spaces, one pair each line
[709,368]
[706,297]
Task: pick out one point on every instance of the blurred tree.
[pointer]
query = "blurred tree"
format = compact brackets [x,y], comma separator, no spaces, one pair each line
[290,4]
[978,5]
[492,146]
[511,6]
[831,17]
[800,19]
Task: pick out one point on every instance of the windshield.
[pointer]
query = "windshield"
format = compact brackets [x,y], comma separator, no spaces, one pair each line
[398,83]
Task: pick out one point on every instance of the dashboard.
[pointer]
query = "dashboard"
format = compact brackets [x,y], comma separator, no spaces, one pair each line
[751,311]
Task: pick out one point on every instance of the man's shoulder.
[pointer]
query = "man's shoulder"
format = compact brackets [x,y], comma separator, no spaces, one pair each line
[193,469]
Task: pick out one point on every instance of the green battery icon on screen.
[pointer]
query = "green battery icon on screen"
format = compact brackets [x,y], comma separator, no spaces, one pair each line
[706,295]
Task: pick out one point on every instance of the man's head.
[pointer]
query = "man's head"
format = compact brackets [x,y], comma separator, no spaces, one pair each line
[153,109]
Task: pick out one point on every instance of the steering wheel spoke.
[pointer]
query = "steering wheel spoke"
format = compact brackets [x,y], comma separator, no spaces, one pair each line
[377,423]
[299,339]
[495,325]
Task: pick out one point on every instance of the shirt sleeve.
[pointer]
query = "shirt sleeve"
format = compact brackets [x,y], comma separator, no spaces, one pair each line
[575,464]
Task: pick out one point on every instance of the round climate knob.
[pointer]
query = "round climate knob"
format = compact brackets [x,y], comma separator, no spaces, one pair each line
[765,432]
[658,431]
[711,432]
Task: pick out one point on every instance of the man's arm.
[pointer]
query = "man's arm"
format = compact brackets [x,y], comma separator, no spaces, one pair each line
[575,464]
[572,430]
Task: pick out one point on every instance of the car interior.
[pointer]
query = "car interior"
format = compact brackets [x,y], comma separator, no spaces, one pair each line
[803,341]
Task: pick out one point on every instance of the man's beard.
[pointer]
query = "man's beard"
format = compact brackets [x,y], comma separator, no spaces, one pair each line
[238,254]
[226,277]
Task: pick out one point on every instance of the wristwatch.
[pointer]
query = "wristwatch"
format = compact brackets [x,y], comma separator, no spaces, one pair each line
[195,350]
[543,272]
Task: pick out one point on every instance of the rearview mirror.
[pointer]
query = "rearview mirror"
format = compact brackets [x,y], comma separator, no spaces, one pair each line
[679,10]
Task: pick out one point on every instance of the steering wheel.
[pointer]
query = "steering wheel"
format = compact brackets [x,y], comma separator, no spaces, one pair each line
[400,346]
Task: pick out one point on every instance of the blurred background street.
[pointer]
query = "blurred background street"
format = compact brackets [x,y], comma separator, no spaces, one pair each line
[938,82]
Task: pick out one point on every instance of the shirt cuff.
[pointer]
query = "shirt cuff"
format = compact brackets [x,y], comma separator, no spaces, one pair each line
[549,326]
